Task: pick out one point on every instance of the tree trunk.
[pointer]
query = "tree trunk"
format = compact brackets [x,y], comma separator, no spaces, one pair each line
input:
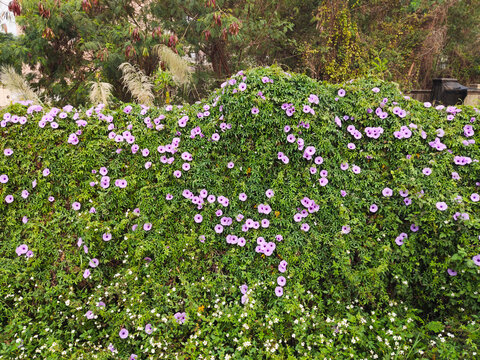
[218,58]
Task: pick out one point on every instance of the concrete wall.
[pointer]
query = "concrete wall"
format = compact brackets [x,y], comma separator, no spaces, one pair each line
[473,98]
[6,97]
[421,95]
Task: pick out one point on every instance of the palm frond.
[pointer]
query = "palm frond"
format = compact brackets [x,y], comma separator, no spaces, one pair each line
[17,84]
[100,92]
[178,67]
[138,83]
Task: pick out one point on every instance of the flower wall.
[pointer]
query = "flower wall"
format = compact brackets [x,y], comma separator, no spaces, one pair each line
[279,218]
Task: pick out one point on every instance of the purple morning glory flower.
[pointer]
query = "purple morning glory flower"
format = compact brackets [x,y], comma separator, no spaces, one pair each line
[387,192]
[93,263]
[244,289]
[476,260]
[442,206]
[121,183]
[123,333]
[282,267]
[451,272]
[86,273]
[356,169]
[147,226]
[180,317]
[148,329]
[373,208]
[305,227]
[279,291]
[318,160]
[22,249]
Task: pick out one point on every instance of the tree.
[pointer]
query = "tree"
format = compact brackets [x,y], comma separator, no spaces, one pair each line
[70,43]
[231,34]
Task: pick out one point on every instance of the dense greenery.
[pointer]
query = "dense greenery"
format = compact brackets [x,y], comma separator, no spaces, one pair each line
[69,43]
[151,220]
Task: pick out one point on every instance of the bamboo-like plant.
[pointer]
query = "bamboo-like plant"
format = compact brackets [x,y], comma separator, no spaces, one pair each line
[138,83]
[178,67]
[100,92]
[17,84]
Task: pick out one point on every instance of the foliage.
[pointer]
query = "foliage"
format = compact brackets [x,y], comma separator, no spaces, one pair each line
[230,33]
[122,232]
[336,51]
[66,43]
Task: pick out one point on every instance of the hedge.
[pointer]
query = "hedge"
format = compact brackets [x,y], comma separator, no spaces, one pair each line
[281,218]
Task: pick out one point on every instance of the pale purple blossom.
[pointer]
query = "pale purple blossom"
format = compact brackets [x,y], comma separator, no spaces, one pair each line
[123,333]
[387,192]
[442,206]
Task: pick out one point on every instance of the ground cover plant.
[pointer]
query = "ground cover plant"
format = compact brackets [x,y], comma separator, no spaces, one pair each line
[280,218]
